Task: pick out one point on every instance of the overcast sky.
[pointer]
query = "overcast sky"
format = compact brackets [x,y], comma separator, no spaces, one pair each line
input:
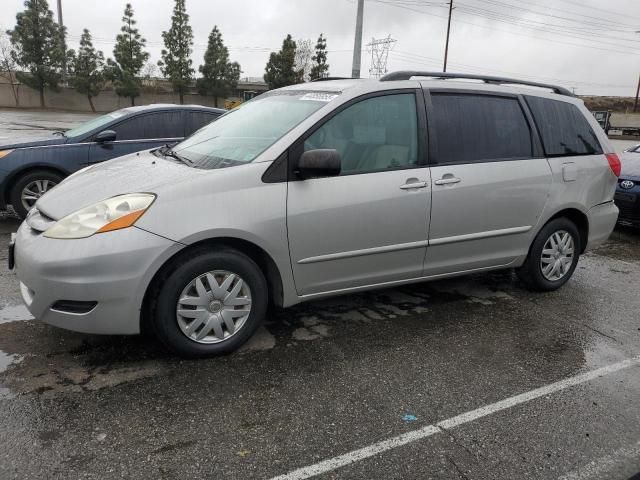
[590,45]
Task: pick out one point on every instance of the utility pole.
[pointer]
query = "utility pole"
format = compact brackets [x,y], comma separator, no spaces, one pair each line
[357,44]
[635,104]
[446,46]
[60,13]
[61,25]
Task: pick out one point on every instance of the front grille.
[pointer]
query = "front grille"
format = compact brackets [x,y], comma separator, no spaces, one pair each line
[38,221]
[73,306]
[629,206]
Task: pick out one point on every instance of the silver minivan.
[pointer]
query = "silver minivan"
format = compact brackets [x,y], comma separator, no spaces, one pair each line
[321,189]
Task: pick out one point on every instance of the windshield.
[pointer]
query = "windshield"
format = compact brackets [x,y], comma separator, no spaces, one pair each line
[94,124]
[242,134]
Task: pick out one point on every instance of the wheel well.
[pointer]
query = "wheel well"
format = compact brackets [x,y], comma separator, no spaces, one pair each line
[253,251]
[18,175]
[580,220]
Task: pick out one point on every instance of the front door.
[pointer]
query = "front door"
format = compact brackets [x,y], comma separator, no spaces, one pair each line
[490,182]
[370,224]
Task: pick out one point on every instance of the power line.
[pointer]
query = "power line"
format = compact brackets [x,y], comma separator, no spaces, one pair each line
[492,28]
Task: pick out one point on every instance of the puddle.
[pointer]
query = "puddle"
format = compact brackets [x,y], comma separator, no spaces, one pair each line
[14,313]
[5,361]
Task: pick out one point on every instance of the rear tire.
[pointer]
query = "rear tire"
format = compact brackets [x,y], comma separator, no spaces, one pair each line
[553,256]
[200,309]
[27,189]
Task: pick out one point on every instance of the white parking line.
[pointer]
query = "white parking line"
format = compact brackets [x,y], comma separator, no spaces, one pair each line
[424,432]
[604,465]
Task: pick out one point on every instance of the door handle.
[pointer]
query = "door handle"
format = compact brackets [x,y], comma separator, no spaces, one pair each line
[447,180]
[411,185]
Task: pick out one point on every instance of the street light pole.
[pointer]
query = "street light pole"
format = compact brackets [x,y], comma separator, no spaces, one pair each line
[357,44]
[446,46]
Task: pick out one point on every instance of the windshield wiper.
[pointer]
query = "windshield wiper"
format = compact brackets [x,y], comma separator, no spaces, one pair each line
[61,133]
[168,152]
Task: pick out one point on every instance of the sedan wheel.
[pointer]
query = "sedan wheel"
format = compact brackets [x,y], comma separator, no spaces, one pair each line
[214,307]
[33,191]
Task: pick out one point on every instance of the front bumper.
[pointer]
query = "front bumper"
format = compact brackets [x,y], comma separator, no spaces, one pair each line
[628,201]
[112,269]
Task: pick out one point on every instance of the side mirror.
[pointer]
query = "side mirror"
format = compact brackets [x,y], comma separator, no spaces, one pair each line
[105,136]
[319,163]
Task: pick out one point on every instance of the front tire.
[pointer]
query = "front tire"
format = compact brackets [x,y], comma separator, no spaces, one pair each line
[29,188]
[211,304]
[553,256]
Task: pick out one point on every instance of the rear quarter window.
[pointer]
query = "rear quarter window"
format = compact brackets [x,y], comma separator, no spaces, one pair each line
[563,128]
[155,125]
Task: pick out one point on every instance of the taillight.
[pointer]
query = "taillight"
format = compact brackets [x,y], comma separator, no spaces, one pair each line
[614,163]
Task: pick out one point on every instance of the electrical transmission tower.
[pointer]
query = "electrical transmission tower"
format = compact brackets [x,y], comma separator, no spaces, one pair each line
[379,49]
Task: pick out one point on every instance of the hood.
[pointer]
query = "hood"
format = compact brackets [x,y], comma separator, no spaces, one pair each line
[630,165]
[53,140]
[136,173]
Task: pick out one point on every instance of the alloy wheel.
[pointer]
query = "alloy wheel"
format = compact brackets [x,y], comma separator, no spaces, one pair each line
[33,191]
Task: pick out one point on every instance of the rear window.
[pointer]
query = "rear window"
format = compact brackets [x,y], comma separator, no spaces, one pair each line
[479,128]
[563,128]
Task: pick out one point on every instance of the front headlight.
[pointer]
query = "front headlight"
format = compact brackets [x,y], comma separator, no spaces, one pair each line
[111,214]
[4,153]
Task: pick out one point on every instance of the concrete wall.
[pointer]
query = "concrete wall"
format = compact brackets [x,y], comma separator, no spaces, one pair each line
[107,101]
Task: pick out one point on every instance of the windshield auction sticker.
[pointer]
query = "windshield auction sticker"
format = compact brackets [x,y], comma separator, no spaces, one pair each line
[319,96]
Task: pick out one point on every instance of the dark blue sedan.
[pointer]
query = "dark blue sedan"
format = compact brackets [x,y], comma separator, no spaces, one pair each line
[29,169]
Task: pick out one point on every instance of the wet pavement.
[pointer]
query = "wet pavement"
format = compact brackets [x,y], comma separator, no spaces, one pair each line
[35,124]
[326,378]
[392,379]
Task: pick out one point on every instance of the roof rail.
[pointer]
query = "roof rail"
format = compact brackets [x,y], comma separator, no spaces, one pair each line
[407,74]
[326,79]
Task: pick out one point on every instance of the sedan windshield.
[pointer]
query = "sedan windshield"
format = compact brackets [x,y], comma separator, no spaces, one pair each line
[94,124]
[242,134]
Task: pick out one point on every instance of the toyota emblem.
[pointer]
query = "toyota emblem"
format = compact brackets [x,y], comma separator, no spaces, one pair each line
[627,184]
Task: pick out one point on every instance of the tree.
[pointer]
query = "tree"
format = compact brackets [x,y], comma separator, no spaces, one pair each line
[320,67]
[129,57]
[86,68]
[38,47]
[8,64]
[219,75]
[176,59]
[281,68]
[304,53]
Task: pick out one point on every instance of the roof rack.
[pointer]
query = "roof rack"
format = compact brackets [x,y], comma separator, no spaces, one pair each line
[407,74]
[326,79]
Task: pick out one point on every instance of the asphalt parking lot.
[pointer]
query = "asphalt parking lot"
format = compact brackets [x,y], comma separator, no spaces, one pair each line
[471,378]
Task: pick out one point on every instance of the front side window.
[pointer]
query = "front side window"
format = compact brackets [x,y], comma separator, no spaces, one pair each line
[243,133]
[375,134]
[95,123]
[563,128]
[473,128]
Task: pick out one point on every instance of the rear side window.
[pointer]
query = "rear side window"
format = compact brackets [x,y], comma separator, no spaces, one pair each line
[563,128]
[158,125]
[197,120]
[473,128]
